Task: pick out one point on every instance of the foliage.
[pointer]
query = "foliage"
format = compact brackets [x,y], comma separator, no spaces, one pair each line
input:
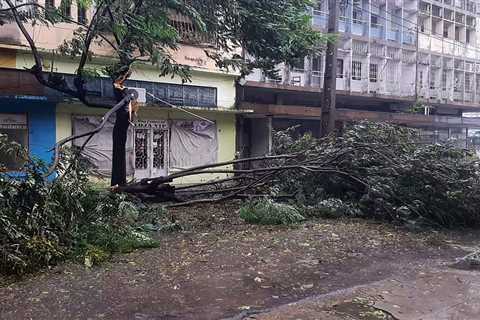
[383,171]
[266,211]
[43,222]
[271,32]
[333,208]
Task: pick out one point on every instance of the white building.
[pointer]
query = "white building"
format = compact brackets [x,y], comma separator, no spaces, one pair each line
[382,71]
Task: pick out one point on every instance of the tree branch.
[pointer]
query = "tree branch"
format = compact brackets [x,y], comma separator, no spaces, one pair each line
[90,134]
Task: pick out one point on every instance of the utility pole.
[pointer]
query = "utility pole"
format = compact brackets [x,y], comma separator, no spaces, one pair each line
[330,76]
[417,33]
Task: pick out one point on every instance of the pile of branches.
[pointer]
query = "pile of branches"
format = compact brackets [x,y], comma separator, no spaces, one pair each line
[375,170]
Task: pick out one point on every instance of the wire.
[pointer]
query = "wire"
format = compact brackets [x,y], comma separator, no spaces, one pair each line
[179,108]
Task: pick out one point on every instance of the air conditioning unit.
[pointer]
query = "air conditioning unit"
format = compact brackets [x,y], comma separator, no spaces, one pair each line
[142,94]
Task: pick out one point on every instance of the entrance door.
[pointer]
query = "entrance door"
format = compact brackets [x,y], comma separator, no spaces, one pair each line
[151,149]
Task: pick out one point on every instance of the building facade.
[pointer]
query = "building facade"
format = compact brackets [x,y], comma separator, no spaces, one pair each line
[199,130]
[392,55]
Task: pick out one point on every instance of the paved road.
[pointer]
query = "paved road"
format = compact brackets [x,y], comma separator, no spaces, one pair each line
[435,294]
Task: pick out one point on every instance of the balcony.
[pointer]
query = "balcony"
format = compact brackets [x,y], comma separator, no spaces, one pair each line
[377,31]
[319,19]
[409,37]
[343,24]
[437,12]
[393,35]
[359,27]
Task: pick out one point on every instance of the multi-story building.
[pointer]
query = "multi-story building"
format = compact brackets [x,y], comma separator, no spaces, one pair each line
[162,140]
[392,55]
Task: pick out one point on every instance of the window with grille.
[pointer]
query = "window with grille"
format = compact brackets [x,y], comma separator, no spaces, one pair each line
[373,72]
[420,79]
[444,81]
[50,4]
[457,85]
[66,8]
[317,64]
[468,84]
[340,68]
[357,16]
[445,32]
[191,96]
[356,70]
[81,14]
[189,33]
[432,81]
[299,64]
[14,126]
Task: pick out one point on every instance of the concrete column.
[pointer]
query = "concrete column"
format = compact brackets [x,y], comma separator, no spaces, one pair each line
[261,136]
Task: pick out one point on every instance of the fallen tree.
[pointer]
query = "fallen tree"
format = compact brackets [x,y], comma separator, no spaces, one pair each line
[374,170]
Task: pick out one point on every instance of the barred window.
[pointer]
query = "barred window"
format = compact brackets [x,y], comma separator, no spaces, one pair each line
[81,14]
[317,64]
[50,4]
[356,70]
[339,68]
[66,8]
[468,83]
[444,80]
[373,72]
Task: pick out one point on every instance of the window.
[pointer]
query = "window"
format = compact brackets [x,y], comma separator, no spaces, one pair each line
[317,64]
[189,33]
[357,16]
[373,72]
[445,33]
[81,14]
[339,68]
[50,4]
[356,70]
[299,64]
[456,85]
[468,84]
[468,37]
[66,8]
[374,21]
[444,80]
[420,78]
[14,126]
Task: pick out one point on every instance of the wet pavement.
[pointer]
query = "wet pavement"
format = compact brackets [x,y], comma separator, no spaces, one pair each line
[434,294]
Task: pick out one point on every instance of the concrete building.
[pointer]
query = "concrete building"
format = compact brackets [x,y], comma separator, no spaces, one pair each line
[162,140]
[382,71]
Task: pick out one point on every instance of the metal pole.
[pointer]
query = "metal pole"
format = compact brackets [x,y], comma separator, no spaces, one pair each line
[416,60]
[330,76]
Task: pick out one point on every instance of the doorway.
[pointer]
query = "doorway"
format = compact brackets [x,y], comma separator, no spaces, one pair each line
[151,140]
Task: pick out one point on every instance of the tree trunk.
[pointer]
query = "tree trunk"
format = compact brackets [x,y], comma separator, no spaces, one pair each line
[120,132]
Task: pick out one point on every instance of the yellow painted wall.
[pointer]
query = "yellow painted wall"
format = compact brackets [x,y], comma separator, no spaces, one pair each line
[225,121]
[225,84]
